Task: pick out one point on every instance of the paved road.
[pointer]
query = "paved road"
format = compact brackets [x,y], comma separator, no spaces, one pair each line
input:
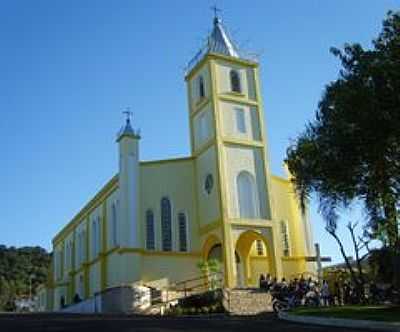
[124,323]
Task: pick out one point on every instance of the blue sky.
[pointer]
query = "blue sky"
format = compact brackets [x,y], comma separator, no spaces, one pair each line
[69,68]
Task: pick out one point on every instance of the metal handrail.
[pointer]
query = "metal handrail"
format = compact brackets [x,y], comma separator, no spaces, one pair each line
[205,276]
[203,285]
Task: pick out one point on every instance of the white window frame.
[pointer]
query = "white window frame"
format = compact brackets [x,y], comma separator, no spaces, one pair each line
[237,72]
[240,120]
[256,213]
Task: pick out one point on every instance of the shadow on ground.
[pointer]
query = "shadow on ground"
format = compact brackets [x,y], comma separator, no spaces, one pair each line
[52,322]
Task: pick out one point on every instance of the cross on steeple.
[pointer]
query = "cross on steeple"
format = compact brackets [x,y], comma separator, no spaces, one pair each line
[128,114]
[215,9]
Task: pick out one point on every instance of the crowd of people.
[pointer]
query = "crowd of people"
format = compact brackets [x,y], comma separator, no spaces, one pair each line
[302,291]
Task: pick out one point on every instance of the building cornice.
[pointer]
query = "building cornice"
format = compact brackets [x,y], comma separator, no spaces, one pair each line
[104,192]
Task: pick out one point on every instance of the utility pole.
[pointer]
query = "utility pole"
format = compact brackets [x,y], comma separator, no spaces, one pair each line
[31,276]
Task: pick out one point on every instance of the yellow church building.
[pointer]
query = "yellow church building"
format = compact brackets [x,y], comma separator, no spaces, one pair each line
[154,221]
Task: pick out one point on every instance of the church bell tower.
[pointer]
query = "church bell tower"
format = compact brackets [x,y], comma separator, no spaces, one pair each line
[228,141]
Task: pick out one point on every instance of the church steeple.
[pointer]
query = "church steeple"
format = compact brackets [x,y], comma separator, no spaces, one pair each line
[127,130]
[219,41]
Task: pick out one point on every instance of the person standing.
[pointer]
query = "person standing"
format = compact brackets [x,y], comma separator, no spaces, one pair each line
[325,293]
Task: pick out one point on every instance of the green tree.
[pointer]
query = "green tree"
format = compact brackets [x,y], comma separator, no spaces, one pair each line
[351,150]
[16,267]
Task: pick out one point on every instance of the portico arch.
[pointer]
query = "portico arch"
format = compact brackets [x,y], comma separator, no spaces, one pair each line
[211,241]
[249,266]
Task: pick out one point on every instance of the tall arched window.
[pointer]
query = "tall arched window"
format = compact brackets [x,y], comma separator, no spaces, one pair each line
[98,240]
[183,232]
[150,234]
[235,81]
[114,224]
[247,196]
[285,238]
[94,238]
[201,87]
[78,249]
[166,226]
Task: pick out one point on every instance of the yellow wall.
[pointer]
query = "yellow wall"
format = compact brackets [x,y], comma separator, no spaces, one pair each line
[259,265]
[161,270]
[174,180]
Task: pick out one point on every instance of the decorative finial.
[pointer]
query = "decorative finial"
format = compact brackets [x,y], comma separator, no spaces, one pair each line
[128,114]
[215,9]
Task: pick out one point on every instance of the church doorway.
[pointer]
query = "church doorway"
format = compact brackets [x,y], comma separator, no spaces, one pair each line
[216,253]
[253,258]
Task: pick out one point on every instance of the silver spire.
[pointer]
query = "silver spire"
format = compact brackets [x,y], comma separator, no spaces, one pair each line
[219,41]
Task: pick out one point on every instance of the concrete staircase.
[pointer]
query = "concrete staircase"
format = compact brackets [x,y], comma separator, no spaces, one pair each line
[247,301]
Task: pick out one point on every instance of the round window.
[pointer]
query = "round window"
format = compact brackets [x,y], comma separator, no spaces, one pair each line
[208,183]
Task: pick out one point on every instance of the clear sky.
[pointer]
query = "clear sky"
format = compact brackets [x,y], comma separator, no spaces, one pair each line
[69,68]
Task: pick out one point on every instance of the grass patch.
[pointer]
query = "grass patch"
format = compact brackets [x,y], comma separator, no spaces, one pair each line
[376,313]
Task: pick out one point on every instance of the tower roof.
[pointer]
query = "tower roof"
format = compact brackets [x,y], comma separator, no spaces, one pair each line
[128,131]
[219,41]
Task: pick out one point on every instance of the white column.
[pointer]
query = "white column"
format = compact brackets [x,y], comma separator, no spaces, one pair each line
[129,191]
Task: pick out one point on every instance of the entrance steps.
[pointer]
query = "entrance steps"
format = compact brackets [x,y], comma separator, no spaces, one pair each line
[247,301]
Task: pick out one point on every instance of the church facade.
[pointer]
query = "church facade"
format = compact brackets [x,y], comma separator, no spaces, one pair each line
[154,221]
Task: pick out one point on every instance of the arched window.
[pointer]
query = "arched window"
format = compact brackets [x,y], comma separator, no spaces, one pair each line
[114,224]
[201,87]
[150,234]
[260,247]
[247,196]
[70,253]
[81,250]
[285,238]
[67,256]
[78,249]
[235,81]
[166,227]
[84,249]
[98,240]
[94,238]
[183,232]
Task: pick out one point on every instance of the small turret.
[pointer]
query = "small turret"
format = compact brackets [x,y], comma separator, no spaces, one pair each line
[128,141]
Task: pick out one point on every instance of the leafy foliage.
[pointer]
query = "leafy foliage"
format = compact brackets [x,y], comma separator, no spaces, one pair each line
[351,150]
[17,266]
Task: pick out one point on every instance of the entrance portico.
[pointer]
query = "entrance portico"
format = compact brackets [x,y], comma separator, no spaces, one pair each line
[252,254]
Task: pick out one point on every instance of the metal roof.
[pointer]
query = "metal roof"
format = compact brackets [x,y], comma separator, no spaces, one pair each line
[219,41]
[127,130]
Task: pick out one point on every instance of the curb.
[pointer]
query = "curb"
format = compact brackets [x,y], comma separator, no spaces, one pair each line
[341,322]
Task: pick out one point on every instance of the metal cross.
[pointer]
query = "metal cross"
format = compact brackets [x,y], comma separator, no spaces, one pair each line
[128,114]
[216,10]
